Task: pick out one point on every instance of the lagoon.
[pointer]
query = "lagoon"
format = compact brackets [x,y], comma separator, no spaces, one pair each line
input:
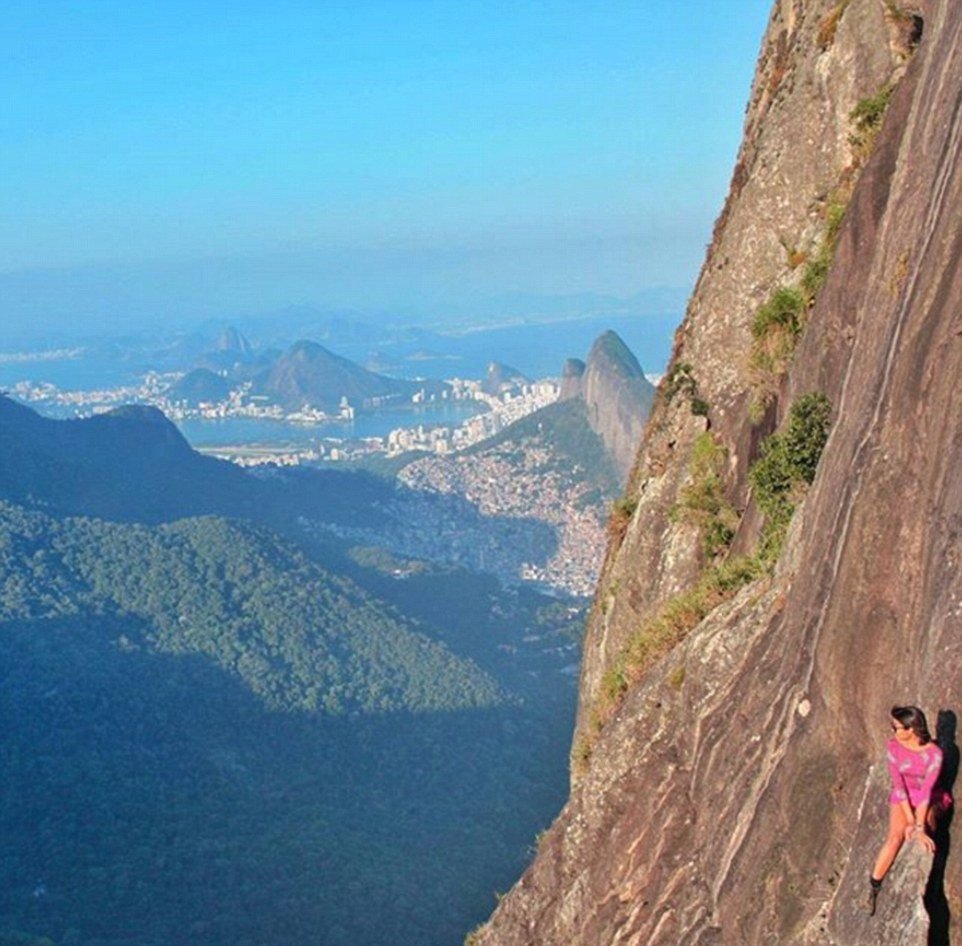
[232,431]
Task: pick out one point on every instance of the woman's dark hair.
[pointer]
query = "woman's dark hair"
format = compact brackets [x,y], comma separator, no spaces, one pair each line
[911,717]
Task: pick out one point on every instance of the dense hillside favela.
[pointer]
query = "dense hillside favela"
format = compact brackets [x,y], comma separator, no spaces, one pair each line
[558,466]
[785,566]
[276,705]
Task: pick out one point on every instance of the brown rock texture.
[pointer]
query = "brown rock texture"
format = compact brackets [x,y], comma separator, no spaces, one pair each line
[572,379]
[619,398]
[617,394]
[737,795]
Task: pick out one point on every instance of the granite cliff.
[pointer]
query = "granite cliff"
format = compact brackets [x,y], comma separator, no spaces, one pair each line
[572,379]
[617,394]
[785,563]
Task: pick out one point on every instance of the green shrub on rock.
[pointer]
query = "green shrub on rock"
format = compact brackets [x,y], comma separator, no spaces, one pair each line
[784,311]
[787,466]
[866,120]
[776,329]
[702,501]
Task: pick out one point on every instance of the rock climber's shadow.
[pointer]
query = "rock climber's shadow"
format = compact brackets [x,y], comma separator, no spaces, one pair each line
[935,900]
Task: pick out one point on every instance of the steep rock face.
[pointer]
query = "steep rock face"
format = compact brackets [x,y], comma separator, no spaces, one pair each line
[572,379]
[616,393]
[795,151]
[619,398]
[737,793]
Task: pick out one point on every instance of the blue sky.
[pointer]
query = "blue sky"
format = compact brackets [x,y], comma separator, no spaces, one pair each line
[192,159]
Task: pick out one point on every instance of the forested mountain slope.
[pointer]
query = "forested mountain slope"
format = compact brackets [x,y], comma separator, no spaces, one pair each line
[133,464]
[217,730]
[297,636]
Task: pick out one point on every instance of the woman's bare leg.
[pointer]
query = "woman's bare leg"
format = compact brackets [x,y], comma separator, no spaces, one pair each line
[893,842]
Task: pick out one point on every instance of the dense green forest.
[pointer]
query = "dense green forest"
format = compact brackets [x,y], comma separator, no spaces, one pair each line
[218,730]
[174,768]
[147,800]
[296,635]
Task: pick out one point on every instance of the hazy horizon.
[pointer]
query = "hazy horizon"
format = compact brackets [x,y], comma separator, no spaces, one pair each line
[173,164]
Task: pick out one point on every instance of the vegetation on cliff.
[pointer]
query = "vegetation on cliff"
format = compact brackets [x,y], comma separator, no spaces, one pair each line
[661,632]
[866,120]
[785,468]
[828,26]
[702,502]
[680,379]
[780,321]
[622,509]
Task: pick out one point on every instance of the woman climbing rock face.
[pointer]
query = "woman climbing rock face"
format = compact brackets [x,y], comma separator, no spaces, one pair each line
[915,801]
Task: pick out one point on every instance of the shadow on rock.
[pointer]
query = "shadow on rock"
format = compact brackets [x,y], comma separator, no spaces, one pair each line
[936,903]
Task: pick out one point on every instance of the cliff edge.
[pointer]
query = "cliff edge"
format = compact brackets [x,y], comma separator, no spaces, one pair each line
[785,563]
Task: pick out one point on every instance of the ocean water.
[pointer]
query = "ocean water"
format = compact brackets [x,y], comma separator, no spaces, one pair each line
[538,350]
[232,431]
[88,372]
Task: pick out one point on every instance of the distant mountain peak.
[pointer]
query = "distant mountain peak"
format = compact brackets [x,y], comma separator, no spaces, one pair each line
[500,374]
[609,349]
[133,428]
[304,348]
[119,464]
[230,340]
[310,374]
[139,414]
[572,379]
[617,394]
[199,386]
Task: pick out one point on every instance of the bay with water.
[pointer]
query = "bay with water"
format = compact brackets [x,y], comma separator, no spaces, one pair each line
[231,431]
[537,349]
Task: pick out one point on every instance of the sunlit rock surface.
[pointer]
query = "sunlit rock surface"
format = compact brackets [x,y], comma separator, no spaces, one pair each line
[738,794]
[619,398]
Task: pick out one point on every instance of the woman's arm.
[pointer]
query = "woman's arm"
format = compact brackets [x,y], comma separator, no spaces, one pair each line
[931,776]
[918,828]
[900,792]
[922,810]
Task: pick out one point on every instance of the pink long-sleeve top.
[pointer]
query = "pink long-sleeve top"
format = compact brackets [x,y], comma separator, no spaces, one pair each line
[914,773]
